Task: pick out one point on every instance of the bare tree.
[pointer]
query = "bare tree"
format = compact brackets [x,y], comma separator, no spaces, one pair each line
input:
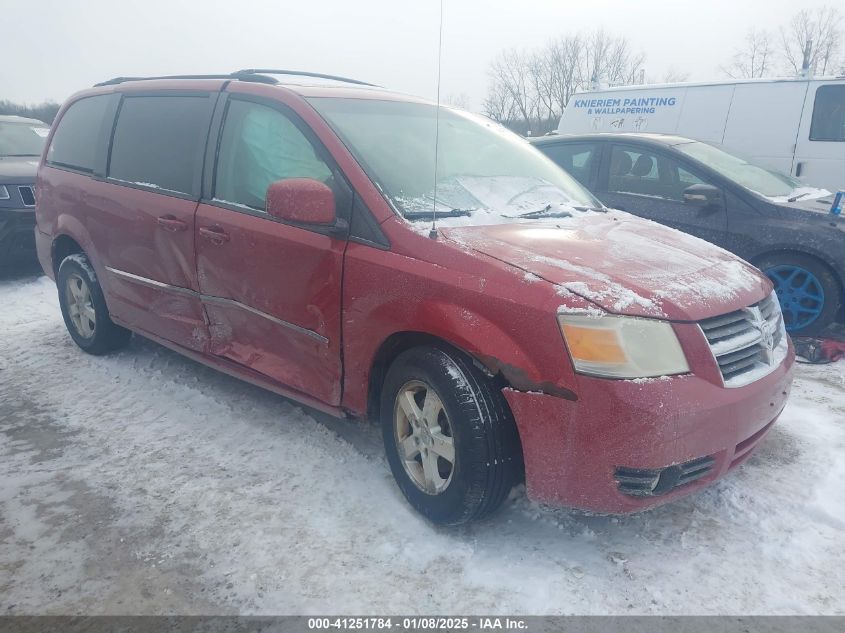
[563,57]
[529,89]
[674,76]
[753,59]
[460,100]
[498,104]
[812,40]
[43,111]
[543,78]
[511,70]
[608,59]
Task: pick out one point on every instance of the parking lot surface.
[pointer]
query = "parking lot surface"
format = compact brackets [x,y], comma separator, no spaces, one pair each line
[144,483]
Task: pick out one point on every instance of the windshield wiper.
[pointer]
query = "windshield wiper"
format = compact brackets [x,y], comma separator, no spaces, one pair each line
[597,209]
[545,212]
[798,197]
[20,155]
[427,215]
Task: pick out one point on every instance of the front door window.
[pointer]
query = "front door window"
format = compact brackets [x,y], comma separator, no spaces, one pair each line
[260,145]
[645,173]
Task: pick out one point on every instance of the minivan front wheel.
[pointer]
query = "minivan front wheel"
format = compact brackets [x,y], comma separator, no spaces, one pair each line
[449,436]
[423,436]
[84,308]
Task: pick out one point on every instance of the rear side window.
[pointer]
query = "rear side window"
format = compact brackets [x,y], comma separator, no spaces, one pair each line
[575,158]
[75,142]
[260,145]
[159,142]
[829,114]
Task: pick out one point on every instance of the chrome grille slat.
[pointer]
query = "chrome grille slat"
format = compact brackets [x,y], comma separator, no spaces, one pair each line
[720,321]
[726,331]
[736,343]
[737,357]
[737,369]
[747,344]
[780,331]
[768,309]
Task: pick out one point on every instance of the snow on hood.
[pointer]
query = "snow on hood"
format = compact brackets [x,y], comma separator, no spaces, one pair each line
[820,205]
[801,193]
[624,264]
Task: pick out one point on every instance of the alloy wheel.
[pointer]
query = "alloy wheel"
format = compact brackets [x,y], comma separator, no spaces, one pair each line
[800,293]
[80,306]
[423,437]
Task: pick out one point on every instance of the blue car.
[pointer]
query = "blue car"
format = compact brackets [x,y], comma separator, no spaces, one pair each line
[774,221]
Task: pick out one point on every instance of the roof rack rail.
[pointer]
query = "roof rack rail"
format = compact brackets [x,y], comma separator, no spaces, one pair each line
[258,75]
[252,72]
[256,78]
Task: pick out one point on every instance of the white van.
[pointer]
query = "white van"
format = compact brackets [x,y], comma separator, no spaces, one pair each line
[796,126]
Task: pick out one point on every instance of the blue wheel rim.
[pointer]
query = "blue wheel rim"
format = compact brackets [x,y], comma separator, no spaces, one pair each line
[800,294]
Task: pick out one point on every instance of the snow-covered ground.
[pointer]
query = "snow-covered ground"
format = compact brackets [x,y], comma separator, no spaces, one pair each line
[145,483]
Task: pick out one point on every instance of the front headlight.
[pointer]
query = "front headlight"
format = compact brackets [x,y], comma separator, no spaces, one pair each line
[622,347]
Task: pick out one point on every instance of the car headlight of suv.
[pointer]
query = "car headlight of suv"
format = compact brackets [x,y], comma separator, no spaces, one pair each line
[622,347]
[4,193]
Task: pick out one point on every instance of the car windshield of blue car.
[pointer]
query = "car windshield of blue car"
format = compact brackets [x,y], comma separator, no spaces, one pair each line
[761,180]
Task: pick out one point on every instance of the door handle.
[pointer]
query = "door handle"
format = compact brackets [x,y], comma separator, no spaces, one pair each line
[171,223]
[214,234]
[799,169]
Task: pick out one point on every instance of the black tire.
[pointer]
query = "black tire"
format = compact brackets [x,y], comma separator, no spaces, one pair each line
[830,285]
[104,335]
[487,451]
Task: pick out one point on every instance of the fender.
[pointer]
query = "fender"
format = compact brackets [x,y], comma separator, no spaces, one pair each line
[822,256]
[509,328]
[69,225]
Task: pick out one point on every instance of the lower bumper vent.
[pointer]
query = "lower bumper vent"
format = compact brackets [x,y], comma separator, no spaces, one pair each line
[639,482]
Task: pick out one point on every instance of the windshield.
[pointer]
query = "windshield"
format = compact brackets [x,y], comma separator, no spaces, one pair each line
[485,174]
[22,139]
[766,182]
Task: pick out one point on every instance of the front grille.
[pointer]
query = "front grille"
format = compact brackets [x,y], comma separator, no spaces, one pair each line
[27,195]
[639,482]
[748,343]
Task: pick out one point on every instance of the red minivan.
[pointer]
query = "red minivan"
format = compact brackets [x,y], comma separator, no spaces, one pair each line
[286,234]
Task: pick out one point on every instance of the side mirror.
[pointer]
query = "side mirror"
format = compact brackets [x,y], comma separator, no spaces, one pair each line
[301,200]
[702,195]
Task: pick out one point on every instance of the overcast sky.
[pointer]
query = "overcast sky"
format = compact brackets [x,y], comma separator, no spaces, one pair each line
[52,48]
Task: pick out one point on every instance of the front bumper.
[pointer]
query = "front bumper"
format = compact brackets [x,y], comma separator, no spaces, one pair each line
[17,235]
[589,453]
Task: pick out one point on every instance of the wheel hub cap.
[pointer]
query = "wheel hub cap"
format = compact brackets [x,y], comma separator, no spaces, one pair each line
[80,307]
[423,437]
[800,293]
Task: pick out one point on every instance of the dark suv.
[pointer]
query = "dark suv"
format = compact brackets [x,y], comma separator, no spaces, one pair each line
[21,142]
[772,220]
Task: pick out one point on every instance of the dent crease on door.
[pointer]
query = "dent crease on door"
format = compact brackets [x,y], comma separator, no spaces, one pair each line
[220,301]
